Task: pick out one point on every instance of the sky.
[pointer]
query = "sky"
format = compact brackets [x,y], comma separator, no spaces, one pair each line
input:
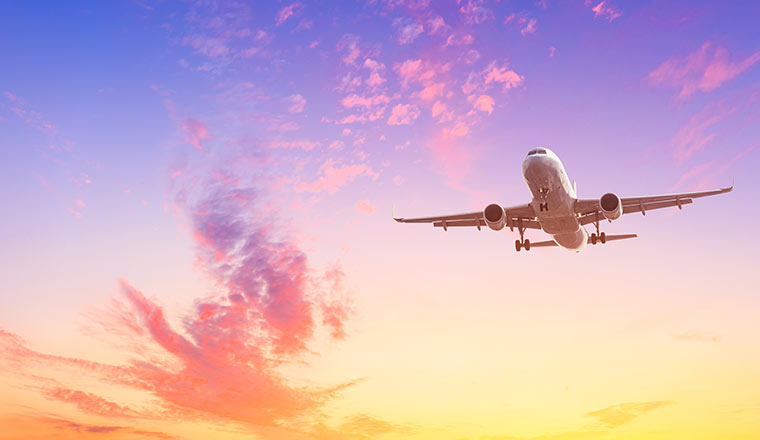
[197,238]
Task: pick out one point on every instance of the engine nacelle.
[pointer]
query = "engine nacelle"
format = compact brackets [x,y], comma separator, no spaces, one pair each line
[495,217]
[612,207]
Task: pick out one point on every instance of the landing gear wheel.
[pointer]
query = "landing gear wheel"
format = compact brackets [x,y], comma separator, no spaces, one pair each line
[518,245]
[593,238]
[527,245]
[603,237]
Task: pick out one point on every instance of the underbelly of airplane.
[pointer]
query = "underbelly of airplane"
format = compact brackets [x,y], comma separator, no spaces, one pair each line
[566,231]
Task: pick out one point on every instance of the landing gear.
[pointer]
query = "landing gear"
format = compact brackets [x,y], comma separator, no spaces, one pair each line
[522,242]
[602,237]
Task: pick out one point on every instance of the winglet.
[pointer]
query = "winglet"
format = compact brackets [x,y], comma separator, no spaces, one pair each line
[393,214]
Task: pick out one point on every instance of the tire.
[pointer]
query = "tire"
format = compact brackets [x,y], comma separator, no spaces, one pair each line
[517,245]
[593,238]
[527,245]
[603,237]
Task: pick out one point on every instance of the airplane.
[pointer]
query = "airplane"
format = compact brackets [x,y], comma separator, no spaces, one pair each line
[556,209]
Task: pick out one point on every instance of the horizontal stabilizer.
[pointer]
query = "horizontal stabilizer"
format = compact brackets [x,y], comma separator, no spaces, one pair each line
[616,237]
[542,244]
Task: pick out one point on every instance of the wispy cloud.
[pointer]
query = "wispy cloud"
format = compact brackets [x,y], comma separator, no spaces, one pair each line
[704,70]
[288,11]
[408,30]
[624,413]
[603,9]
[195,132]
[334,177]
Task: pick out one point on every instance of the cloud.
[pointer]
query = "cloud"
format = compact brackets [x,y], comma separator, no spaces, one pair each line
[221,361]
[408,30]
[364,101]
[697,336]
[437,26]
[349,46]
[195,132]
[364,207]
[695,135]
[376,71]
[301,144]
[403,114]
[526,25]
[287,12]
[334,177]
[603,9]
[703,70]
[295,103]
[89,403]
[432,91]
[492,74]
[474,12]
[484,103]
[624,413]
[59,428]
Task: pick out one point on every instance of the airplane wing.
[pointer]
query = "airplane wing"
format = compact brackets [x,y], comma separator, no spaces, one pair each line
[515,214]
[589,210]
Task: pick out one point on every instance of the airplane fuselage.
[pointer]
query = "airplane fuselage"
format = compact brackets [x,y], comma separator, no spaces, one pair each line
[554,199]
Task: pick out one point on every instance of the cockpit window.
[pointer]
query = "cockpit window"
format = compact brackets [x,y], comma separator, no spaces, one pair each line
[536,151]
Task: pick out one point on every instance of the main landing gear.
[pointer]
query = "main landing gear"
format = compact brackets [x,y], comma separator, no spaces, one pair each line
[522,242]
[602,237]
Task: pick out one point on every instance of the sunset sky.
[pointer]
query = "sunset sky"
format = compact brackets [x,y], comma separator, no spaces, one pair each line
[196,233]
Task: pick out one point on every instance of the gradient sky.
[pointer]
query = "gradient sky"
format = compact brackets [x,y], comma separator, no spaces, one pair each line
[197,242]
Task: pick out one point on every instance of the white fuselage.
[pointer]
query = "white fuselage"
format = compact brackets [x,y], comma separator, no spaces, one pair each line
[554,200]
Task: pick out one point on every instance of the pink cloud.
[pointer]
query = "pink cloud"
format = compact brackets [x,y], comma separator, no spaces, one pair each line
[474,12]
[502,75]
[695,135]
[484,103]
[287,12]
[437,26]
[301,144]
[362,101]
[295,103]
[432,91]
[408,30]
[453,159]
[376,70]
[364,207]
[333,178]
[398,180]
[491,75]
[438,108]
[603,9]
[526,25]
[704,70]
[212,47]
[195,132]
[349,46]
[403,114]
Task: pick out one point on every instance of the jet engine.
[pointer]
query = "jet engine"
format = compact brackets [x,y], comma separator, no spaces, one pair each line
[612,207]
[495,217]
